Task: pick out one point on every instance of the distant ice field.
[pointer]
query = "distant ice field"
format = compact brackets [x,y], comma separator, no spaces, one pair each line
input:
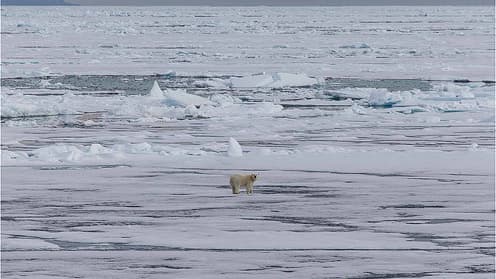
[361,42]
[371,131]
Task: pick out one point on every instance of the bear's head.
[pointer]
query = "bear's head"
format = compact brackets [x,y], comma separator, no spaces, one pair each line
[253,177]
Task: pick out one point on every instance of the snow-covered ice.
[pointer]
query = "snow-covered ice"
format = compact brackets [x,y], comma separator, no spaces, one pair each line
[365,42]
[121,127]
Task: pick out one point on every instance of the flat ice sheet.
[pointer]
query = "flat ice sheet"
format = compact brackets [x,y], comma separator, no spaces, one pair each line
[364,42]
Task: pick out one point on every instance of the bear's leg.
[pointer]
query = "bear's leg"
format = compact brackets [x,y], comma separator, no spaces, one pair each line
[235,189]
[249,189]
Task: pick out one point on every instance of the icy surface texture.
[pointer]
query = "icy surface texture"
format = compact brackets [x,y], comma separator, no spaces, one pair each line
[365,42]
[125,173]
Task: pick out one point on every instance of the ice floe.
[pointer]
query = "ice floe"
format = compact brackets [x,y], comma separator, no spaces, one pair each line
[157,104]
[177,98]
[443,97]
[74,153]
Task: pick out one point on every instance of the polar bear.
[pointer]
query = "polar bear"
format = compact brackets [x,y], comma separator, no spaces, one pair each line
[240,180]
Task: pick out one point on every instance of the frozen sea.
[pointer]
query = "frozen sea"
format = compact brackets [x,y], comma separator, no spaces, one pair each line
[371,130]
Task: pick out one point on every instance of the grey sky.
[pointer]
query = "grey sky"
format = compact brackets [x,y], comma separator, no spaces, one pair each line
[281,2]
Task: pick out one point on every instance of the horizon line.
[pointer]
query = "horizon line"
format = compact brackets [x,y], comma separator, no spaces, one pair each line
[268,5]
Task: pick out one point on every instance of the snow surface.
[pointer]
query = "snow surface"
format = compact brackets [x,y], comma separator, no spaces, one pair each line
[366,42]
[127,176]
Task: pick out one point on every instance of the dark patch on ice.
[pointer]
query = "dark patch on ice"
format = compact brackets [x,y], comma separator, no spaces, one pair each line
[38,116]
[142,176]
[411,206]
[69,224]
[313,221]
[288,189]
[318,259]
[15,201]
[488,251]
[180,172]
[437,179]
[72,190]
[154,266]
[425,221]
[323,196]
[389,84]
[333,107]
[95,204]
[272,267]
[372,275]
[435,239]
[481,268]
[406,215]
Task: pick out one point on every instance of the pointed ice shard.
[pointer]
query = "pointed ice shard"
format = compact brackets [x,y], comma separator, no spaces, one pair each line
[234,149]
[156,92]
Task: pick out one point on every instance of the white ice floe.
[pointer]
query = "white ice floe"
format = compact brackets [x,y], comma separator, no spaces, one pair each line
[158,104]
[177,98]
[275,80]
[234,149]
[473,147]
[443,97]
[213,82]
[74,153]
[174,105]
[182,99]
[384,99]
[31,106]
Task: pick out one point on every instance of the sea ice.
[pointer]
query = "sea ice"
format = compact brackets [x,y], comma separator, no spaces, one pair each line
[117,183]
[383,99]
[183,99]
[156,92]
[275,80]
[177,98]
[234,149]
[330,41]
